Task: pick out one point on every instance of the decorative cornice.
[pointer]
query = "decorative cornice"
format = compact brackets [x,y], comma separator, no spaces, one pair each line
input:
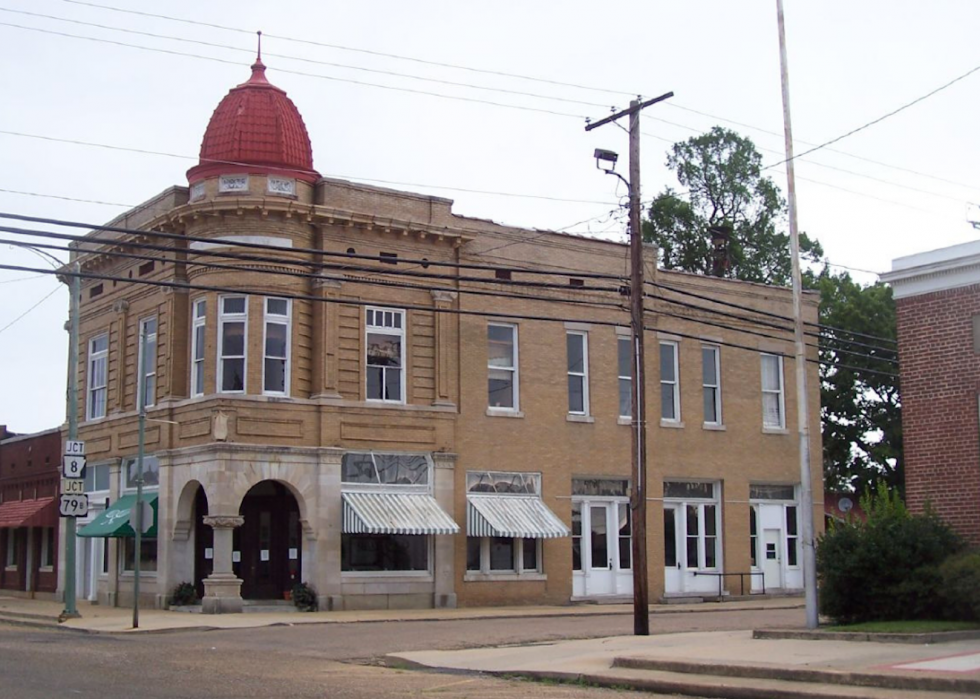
[442,296]
[934,274]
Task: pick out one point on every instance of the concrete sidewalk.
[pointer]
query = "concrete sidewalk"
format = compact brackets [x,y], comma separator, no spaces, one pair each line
[98,619]
[732,665]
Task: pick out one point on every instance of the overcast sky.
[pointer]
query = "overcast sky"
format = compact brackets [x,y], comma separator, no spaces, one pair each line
[899,187]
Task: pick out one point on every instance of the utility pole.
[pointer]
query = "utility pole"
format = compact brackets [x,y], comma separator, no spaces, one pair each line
[141,448]
[638,501]
[802,406]
[75,289]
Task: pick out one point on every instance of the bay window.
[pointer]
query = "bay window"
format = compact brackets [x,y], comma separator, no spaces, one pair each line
[232,344]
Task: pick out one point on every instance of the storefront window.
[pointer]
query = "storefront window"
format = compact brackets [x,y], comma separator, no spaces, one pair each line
[148,555]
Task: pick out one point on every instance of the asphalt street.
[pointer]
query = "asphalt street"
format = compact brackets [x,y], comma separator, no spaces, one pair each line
[323,660]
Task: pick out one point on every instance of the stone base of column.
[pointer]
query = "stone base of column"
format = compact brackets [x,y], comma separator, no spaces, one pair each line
[222,594]
[330,603]
[445,601]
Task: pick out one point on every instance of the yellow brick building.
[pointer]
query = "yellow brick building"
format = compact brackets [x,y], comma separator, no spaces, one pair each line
[355,388]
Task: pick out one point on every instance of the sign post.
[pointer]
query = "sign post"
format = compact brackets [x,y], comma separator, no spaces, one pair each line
[72,503]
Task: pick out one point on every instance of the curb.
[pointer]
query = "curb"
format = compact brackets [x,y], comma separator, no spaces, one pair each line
[807,675]
[860,636]
[50,623]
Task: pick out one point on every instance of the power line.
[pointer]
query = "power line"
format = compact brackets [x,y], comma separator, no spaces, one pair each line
[358,50]
[351,81]
[24,314]
[881,118]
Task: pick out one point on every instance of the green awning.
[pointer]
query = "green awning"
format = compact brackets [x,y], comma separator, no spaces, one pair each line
[114,521]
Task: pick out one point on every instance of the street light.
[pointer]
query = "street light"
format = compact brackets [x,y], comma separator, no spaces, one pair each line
[75,290]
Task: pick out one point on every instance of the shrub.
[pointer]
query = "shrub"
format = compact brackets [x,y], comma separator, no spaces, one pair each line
[183,595]
[961,586]
[304,597]
[886,568]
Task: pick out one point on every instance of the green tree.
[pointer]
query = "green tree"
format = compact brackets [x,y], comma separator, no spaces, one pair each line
[861,409]
[722,173]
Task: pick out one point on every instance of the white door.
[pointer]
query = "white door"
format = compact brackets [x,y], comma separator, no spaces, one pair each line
[673,574]
[603,548]
[772,558]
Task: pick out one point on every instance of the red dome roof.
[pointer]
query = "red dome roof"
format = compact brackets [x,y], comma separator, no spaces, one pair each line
[256,129]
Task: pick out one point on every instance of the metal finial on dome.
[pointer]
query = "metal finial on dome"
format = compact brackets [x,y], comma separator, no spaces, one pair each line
[258,68]
[259,57]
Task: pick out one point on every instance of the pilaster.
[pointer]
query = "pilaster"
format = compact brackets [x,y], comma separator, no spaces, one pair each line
[444,344]
[325,331]
[117,345]
[444,567]
[326,568]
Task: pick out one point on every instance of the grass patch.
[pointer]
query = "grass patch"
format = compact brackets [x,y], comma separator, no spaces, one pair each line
[922,626]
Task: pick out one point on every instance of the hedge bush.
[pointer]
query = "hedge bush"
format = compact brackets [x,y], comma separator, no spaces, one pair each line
[887,568]
[961,586]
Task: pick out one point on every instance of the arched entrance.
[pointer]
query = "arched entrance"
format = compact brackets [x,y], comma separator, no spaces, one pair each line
[267,545]
[203,541]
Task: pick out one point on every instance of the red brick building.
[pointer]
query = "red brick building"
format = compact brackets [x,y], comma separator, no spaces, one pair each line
[937,296]
[29,476]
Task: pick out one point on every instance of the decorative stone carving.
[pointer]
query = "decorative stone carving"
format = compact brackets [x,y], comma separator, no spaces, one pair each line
[323,282]
[223,521]
[308,529]
[182,530]
[220,431]
[439,296]
[120,306]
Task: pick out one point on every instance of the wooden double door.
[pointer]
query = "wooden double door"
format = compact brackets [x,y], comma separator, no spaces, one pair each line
[267,546]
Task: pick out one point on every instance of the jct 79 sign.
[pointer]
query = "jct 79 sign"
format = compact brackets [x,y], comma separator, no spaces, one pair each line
[73,505]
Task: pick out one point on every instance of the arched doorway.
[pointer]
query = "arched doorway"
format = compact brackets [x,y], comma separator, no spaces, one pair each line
[203,541]
[267,545]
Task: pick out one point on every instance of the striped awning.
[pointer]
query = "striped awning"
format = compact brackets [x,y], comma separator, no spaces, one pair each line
[518,516]
[395,513]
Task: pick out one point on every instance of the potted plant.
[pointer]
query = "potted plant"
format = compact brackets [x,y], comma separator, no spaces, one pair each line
[304,597]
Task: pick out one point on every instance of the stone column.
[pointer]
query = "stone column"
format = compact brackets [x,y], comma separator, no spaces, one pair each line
[444,343]
[325,344]
[222,589]
[444,566]
[327,525]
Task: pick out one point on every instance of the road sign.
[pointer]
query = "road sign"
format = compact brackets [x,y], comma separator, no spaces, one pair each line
[73,505]
[73,466]
[147,516]
[72,486]
[74,448]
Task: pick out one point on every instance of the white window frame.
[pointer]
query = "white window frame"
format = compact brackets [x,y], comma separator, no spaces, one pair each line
[285,320]
[517,568]
[93,390]
[779,392]
[148,363]
[625,379]
[223,318]
[382,329]
[716,387]
[675,383]
[792,541]
[514,369]
[199,310]
[581,375]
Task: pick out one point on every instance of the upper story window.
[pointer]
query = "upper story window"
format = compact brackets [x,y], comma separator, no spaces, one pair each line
[199,316]
[385,469]
[131,470]
[624,349]
[670,394]
[577,348]
[503,386]
[773,403]
[711,383]
[98,360]
[96,478]
[232,343]
[146,388]
[275,366]
[385,329]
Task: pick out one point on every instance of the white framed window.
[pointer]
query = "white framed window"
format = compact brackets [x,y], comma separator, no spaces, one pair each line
[697,505]
[502,367]
[148,555]
[147,385]
[275,362]
[11,561]
[232,343]
[130,472]
[792,536]
[754,536]
[97,478]
[773,399]
[198,319]
[503,554]
[711,383]
[47,548]
[670,394]
[385,355]
[577,349]
[98,360]
[624,348]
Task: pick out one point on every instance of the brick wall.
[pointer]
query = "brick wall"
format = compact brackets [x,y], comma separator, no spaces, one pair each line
[940,389]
